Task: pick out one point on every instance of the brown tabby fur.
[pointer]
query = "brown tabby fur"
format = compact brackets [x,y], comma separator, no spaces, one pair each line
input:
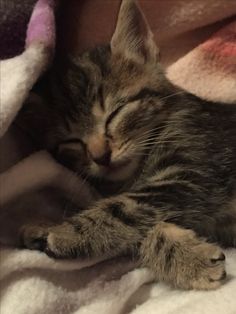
[163,160]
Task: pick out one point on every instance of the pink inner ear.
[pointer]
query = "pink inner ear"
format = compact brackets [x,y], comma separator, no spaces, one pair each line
[41,27]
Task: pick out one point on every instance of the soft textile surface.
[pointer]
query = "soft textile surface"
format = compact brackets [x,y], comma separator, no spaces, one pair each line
[33,283]
[19,73]
[209,70]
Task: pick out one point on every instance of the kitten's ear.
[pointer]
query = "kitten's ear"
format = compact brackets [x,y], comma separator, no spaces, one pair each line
[133,37]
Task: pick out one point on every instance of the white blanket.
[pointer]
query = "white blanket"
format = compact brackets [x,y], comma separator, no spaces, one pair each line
[31,283]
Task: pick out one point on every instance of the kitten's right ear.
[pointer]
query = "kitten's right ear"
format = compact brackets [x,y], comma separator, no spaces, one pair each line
[132,37]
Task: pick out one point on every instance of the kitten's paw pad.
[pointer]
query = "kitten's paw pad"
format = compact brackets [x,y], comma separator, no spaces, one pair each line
[34,237]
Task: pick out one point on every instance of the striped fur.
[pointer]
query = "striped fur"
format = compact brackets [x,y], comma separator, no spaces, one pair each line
[172,160]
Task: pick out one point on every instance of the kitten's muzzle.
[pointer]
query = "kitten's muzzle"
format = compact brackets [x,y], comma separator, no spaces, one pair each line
[103,160]
[99,150]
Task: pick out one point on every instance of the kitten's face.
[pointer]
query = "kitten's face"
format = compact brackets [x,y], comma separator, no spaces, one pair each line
[110,120]
[109,116]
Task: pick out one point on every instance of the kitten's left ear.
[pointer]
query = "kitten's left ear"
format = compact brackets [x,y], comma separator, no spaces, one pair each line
[132,37]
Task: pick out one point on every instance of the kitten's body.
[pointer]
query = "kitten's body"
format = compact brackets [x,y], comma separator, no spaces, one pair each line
[168,158]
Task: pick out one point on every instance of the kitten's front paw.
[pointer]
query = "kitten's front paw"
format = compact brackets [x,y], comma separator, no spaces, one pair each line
[63,242]
[34,237]
[208,266]
[56,241]
[178,257]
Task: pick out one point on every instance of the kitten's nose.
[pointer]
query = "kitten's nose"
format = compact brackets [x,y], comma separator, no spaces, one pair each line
[103,160]
[99,150]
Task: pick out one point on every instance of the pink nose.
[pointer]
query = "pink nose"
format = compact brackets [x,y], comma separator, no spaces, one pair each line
[103,160]
[99,150]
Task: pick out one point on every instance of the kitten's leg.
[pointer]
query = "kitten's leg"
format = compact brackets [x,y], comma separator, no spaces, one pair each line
[120,224]
[111,227]
[177,256]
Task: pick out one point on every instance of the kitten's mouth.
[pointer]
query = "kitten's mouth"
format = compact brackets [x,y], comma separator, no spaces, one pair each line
[119,170]
[116,166]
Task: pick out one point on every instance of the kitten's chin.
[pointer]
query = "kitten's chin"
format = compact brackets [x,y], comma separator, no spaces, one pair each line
[116,173]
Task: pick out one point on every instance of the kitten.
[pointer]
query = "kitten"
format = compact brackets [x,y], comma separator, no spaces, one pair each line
[163,160]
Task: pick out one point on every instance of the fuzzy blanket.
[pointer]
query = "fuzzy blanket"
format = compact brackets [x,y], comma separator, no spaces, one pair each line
[30,282]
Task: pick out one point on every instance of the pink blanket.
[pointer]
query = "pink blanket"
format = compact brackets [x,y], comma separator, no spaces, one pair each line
[209,70]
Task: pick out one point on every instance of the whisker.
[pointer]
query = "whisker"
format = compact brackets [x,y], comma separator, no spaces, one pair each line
[156,129]
[174,94]
[124,148]
[146,145]
[155,138]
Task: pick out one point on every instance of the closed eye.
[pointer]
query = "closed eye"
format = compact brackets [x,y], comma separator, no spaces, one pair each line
[142,94]
[71,144]
[112,115]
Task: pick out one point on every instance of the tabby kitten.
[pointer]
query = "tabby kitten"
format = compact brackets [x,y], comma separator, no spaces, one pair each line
[163,160]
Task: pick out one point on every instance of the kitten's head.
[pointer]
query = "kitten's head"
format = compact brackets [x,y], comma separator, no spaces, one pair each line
[110,101]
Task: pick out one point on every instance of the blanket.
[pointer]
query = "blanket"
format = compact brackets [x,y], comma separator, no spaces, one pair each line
[31,282]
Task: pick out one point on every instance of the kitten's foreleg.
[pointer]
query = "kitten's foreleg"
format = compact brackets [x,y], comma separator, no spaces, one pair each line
[132,222]
[111,227]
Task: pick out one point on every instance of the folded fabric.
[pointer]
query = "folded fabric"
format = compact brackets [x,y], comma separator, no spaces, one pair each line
[209,70]
[19,74]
